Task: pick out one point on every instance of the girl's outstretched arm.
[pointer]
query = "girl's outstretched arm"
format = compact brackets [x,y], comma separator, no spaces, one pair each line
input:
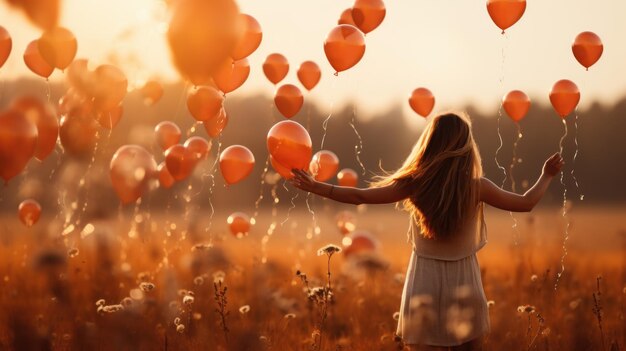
[381,195]
[505,200]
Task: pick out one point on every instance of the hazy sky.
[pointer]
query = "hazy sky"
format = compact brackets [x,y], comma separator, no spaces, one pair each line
[450,46]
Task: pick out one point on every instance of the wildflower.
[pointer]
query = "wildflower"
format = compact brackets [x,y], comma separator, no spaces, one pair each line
[176,321]
[146,287]
[127,301]
[188,300]
[290,316]
[72,252]
[112,308]
[328,250]
[396,316]
[244,309]
[199,280]
[533,278]
[100,302]
[180,328]
[546,332]
[526,309]
[218,277]
[490,303]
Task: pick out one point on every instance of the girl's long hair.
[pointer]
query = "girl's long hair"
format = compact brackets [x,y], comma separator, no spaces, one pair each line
[443,174]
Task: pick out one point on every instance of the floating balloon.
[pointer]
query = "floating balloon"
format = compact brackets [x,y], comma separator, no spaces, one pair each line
[422,101]
[35,62]
[309,74]
[180,161]
[587,48]
[359,242]
[199,146]
[29,212]
[44,117]
[346,222]
[58,47]
[275,67]
[42,13]
[346,17]
[290,145]
[152,92]
[506,13]
[232,75]
[288,100]
[132,168]
[78,131]
[214,126]
[202,35]
[324,165]
[18,143]
[6,44]
[239,224]
[564,97]
[165,178]
[236,163]
[109,89]
[109,119]
[280,169]
[347,177]
[516,105]
[368,14]
[250,38]
[205,103]
[344,47]
[167,134]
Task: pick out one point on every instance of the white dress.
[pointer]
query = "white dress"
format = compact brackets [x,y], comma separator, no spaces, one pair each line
[443,301]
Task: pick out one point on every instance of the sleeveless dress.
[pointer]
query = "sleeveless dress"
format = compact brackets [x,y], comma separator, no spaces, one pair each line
[443,301]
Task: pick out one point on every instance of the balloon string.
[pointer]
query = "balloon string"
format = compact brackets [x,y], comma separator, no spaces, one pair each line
[582,196]
[499,148]
[293,205]
[309,207]
[48,94]
[358,148]
[564,213]
[192,129]
[327,119]
[83,181]
[272,227]
[213,171]
[260,198]
[514,161]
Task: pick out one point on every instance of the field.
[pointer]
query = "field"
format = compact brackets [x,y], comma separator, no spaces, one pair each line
[147,284]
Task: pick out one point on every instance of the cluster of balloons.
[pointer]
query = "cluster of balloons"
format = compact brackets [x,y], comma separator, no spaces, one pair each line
[56,48]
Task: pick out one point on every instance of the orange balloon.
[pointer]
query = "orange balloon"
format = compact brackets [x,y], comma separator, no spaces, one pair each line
[180,161]
[288,100]
[324,165]
[280,169]
[165,178]
[347,177]
[29,212]
[44,117]
[205,103]
[344,47]
[78,131]
[18,142]
[167,134]
[42,13]
[109,119]
[506,13]
[346,17]
[132,169]
[368,14]
[202,35]
[290,145]
[199,146]
[564,97]
[516,105]
[214,126]
[35,62]
[58,47]
[346,222]
[309,74]
[250,38]
[6,44]
[422,101]
[236,163]
[152,92]
[109,89]
[359,242]
[232,75]
[587,48]
[239,224]
[275,67]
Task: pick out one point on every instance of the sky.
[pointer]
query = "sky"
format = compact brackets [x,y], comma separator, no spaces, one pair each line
[449,46]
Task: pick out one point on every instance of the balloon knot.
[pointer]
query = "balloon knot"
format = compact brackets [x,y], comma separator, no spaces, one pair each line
[336,74]
[503,32]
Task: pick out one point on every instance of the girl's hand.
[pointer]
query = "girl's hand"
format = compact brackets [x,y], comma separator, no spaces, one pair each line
[302,180]
[553,165]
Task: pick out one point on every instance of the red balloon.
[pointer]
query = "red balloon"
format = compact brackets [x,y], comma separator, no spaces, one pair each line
[506,13]
[564,97]
[344,47]
[109,119]
[167,134]
[239,224]
[29,212]
[516,104]
[205,103]
[280,169]
[346,17]
[35,62]
[180,161]
[359,242]
[132,168]
[368,14]
[324,165]
[422,101]
[290,145]
[250,38]
[58,47]
[288,100]
[587,48]
[215,126]
[236,163]
[78,131]
[347,177]
[275,67]
[152,92]
[44,117]
[232,75]
[165,178]
[6,44]
[199,146]
[18,143]
[309,74]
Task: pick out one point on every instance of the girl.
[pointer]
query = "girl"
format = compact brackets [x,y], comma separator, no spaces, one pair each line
[441,185]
